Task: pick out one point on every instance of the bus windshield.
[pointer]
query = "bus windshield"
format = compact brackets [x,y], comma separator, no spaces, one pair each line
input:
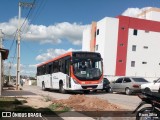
[87,69]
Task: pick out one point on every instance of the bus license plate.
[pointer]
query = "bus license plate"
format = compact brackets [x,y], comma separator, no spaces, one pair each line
[89,88]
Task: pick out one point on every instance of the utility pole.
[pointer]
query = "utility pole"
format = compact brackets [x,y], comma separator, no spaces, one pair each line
[1,38]
[9,76]
[21,4]
[1,70]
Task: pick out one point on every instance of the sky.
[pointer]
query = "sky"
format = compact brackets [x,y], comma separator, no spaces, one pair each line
[54,27]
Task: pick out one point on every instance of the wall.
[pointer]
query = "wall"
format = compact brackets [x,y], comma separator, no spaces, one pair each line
[150,55]
[107,43]
[86,39]
[150,14]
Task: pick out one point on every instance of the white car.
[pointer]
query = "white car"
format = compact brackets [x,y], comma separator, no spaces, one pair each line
[154,87]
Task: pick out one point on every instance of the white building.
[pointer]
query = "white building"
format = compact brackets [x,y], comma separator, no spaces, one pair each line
[129,46]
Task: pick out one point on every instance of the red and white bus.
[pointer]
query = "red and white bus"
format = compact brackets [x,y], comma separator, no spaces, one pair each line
[67,73]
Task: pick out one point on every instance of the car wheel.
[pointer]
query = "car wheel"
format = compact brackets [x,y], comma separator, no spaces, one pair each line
[109,90]
[147,90]
[128,91]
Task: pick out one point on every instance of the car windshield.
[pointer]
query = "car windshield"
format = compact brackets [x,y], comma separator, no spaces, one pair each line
[87,69]
[139,80]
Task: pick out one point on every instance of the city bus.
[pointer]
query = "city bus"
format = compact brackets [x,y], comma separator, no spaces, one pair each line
[65,72]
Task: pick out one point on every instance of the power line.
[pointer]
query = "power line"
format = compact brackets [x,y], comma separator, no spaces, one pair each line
[13,40]
[41,6]
[38,11]
[15,33]
[27,15]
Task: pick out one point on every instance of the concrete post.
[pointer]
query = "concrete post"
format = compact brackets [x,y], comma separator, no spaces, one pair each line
[1,62]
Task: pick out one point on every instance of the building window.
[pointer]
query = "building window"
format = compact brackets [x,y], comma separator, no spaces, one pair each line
[120,61]
[133,47]
[96,47]
[135,32]
[132,63]
[145,47]
[122,28]
[144,62]
[97,31]
[121,44]
[146,31]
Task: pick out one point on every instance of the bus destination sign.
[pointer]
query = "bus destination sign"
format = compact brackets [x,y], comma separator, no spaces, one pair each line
[86,55]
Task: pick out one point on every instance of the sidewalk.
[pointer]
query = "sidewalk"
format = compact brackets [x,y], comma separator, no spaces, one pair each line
[17,93]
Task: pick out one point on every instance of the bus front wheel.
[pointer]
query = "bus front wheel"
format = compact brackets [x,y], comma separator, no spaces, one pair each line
[61,89]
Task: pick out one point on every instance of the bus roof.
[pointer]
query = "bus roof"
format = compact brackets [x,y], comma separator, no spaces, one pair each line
[63,55]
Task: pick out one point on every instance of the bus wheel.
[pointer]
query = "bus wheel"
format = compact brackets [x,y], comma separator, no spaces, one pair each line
[43,86]
[61,89]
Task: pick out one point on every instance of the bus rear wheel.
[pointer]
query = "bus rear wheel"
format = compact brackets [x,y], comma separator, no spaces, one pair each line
[43,86]
[61,89]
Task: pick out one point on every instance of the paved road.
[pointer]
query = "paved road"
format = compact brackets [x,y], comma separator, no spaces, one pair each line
[125,101]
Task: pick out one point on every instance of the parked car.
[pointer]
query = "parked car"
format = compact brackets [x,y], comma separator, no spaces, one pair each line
[128,85]
[106,85]
[154,86]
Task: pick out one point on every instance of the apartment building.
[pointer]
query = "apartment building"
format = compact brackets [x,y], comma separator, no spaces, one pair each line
[130,46]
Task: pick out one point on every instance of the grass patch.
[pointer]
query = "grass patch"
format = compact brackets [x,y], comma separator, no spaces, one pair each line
[59,107]
[47,98]
[13,104]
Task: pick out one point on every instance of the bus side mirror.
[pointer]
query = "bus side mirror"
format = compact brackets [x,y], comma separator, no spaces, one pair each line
[154,81]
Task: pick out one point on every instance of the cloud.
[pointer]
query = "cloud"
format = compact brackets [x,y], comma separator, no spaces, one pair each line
[29,70]
[54,34]
[52,53]
[133,12]
[32,66]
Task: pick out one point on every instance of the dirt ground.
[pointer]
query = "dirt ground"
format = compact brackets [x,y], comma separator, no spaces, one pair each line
[84,103]
[38,102]
[75,102]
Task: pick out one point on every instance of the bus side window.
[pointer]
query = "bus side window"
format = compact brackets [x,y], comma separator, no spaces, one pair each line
[55,67]
[63,66]
[60,67]
[67,66]
[38,71]
[44,70]
[49,69]
[41,72]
